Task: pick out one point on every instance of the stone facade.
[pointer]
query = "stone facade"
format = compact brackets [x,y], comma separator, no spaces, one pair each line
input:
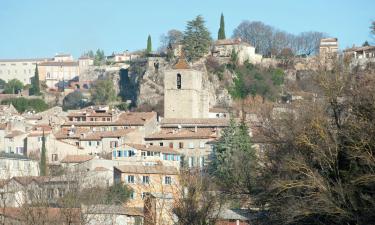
[184,96]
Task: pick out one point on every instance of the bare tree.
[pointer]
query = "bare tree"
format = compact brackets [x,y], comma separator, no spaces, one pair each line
[319,166]
[257,34]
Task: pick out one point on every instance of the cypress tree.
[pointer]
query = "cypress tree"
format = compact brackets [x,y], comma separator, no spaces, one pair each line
[149,44]
[221,33]
[43,160]
[35,83]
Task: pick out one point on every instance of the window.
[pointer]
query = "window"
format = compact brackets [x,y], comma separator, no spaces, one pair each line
[145,179]
[201,161]
[119,153]
[113,144]
[144,194]
[130,179]
[143,153]
[168,180]
[161,144]
[50,193]
[132,195]
[201,144]
[181,145]
[61,192]
[178,81]
[54,157]
[40,139]
[191,145]
[191,161]
[170,144]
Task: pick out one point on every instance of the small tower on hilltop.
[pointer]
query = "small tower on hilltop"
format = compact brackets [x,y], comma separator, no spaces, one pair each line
[184,96]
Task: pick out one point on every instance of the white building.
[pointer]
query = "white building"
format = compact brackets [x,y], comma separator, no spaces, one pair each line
[13,165]
[21,69]
[225,47]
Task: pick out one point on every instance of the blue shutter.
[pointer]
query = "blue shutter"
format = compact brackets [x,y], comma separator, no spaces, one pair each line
[114,154]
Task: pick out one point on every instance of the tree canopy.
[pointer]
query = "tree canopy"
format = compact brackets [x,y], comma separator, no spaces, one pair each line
[149,44]
[270,41]
[35,83]
[235,163]
[103,92]
[23,104]
[13,86]
[74,100]
[99,58]
[221,32]
[197,39]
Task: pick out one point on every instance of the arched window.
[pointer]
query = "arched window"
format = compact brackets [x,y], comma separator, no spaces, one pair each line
[178,81]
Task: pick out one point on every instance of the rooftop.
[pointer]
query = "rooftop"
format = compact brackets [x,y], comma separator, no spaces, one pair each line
[171,170]
[199,122]
[114,209]
[235,41]
[176,134]
[54,63]
[153,148]
[77,158]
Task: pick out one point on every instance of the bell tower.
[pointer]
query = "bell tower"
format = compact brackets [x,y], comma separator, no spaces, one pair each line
[184,96]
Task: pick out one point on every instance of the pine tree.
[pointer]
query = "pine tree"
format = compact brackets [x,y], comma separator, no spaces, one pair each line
[197,39]
[235,162]
[221,33]
[43,160]
[149,44]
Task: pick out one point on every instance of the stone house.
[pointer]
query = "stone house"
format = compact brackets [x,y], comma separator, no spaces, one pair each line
[191,143]
[225,47]
[14,142]
[47,190]
[144,123]
[147,154]
[328,46]
[14,165]
[157,180]
[113,215]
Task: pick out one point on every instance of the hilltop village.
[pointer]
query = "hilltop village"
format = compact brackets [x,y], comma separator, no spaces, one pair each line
[156,137]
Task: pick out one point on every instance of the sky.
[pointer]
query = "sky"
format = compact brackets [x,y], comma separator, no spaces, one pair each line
[42,28]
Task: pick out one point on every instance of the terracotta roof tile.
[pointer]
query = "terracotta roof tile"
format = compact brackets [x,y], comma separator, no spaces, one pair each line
[199,122]
[176,134]
[147,169]
[77,158]
[153,148]
[14,133]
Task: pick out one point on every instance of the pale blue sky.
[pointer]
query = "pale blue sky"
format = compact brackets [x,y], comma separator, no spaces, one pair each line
[41,28]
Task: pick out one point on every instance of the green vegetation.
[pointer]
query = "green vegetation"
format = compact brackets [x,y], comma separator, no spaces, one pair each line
[123,106]
[35,84]
[24,104]
[99,58]
[43,159]
[118,194]
[197,39]
[149,44]
[221,33]
[74,100]
[103,92]
[2,83]
[13,86]
[235,162]
[253,81]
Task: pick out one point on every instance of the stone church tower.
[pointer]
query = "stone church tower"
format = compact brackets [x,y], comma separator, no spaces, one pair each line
[184,96]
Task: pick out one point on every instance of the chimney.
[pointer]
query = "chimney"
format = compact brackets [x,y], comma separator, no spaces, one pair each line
[195,129]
